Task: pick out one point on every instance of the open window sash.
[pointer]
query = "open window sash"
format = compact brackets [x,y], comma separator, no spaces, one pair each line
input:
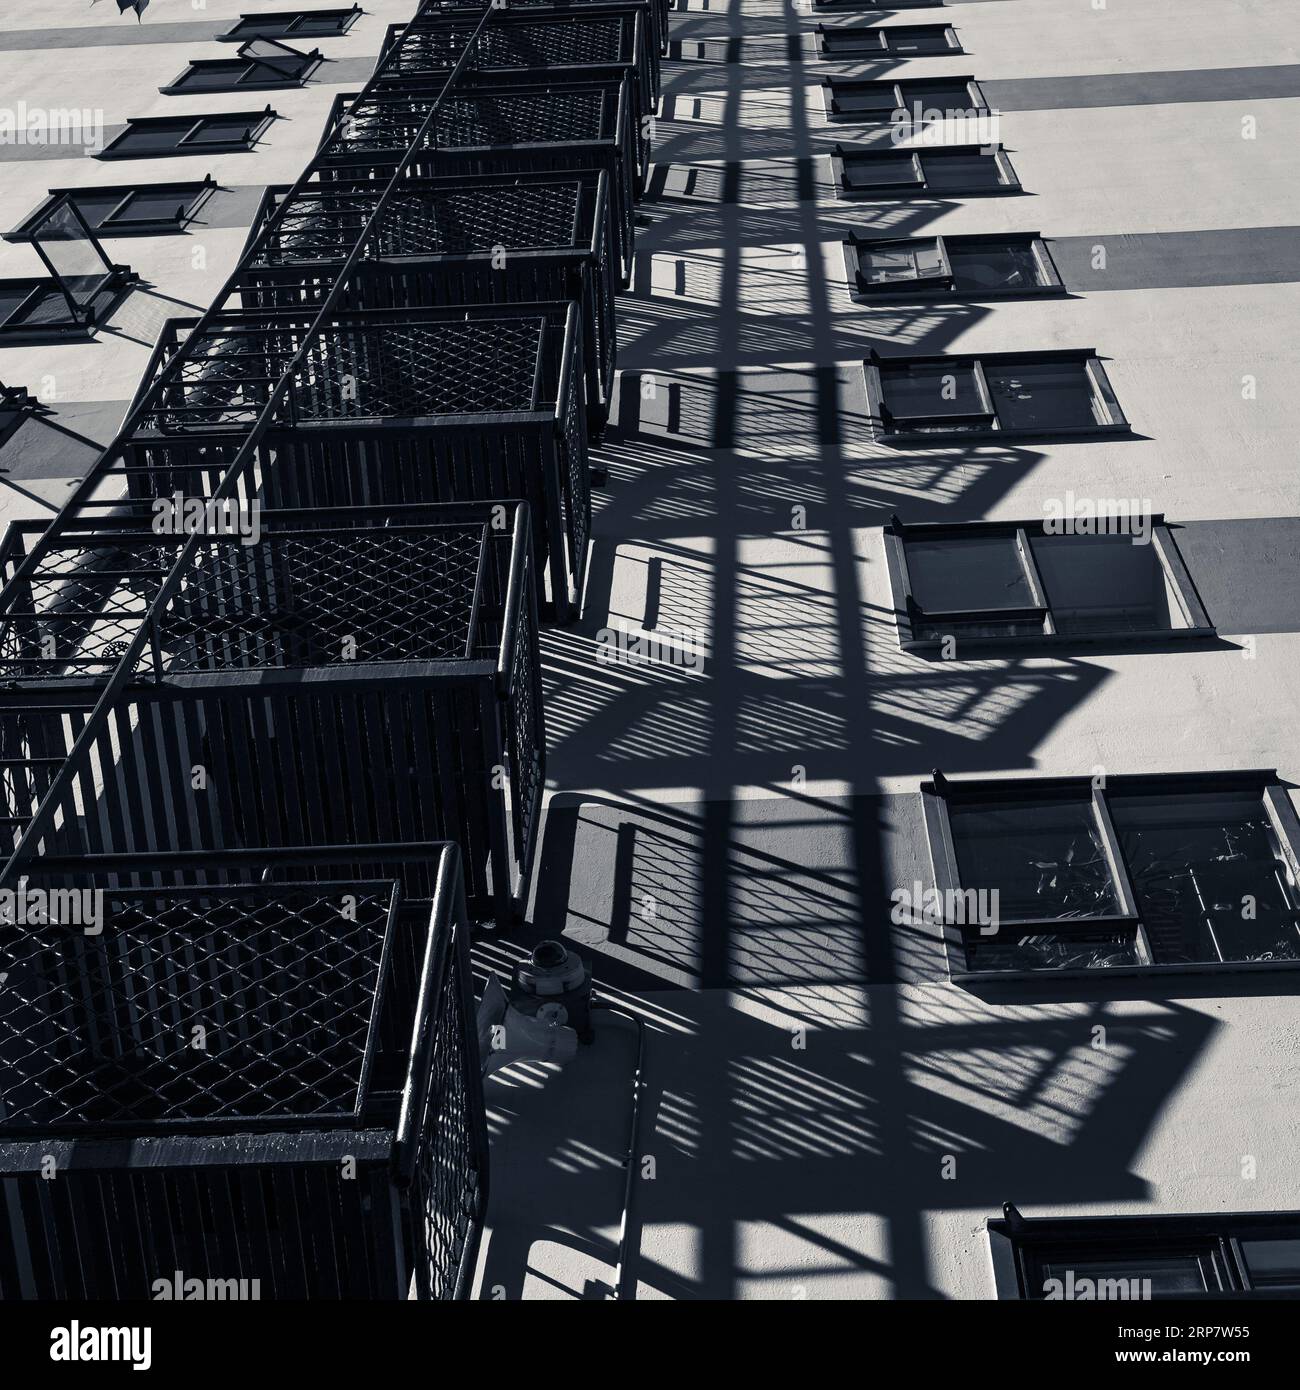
[271,61]
[881,265]
[77,262]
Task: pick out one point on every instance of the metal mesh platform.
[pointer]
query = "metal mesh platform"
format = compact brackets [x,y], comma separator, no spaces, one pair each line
[325,592]
[433,220]
[384,122]
[601,45]
[420,50]
[328,1142]
[194,1004]
[516,238]
[656,10]
[478,361]
[335,652]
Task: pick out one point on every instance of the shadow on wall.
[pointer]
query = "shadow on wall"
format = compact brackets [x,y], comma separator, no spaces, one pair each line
[785,1156]
[802,1139]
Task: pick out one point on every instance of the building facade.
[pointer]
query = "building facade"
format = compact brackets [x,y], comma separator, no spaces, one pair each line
[917,761]
[836,1115]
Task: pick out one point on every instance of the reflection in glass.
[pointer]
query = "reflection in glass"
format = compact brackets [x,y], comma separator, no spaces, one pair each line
[1211,880]
[1043,395]
[1046,858]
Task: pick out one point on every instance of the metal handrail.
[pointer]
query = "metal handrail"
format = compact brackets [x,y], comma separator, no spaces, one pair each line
[148,630]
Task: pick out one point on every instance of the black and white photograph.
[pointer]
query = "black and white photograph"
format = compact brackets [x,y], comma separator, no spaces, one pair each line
[649,652]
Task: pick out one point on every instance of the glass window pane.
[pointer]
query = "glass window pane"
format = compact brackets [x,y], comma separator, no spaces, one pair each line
[960,170]
[889,262]
[916,391]
[851,41]
[880,171]
[917,40]
[272,66]
[96,204]
[1045,857]
[989,266]
[1273,1261]
[75,258]
[1168,1273]
[146,139]
[318,25]
[12,294]
[1042,395]
[977,572]
[1011,949]
[876,99]
[223,130]
[1210,878]
[1105,584]
[211,77]
[938,96]
[167,206]
[46,309]
[269,27]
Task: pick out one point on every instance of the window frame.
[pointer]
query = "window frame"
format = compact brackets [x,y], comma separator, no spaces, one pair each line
[878,4]
[1103,396]
[939,793]
[979,106]
[37,288]
[258,123]
[348,16]
[179,86]
[1017,1244]
[192,195]
[84,308]
[883,49]
[840,154]
[934,287]
[897,535]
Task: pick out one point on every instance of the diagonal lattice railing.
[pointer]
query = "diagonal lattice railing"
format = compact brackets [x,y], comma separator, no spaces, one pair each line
[419,122]
[355,366]
[314,595]
[322,225]
[422,52]
[439,11]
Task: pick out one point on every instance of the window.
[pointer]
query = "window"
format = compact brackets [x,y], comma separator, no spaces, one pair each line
[1185,871]
[978,267]
[878,4]
[964,588]
[40,309]
[1018,395]
[82,285]
[148,208]
[261,64]
[914,102]
[173,135]
[944,169]
[903,41]
[1141,1257]
[294,24]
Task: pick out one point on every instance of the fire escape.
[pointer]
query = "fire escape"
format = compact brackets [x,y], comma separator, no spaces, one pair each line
[270,695]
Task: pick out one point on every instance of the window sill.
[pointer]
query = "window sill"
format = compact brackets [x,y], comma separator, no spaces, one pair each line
[288,85]
[916,190]
[183,151]
[939,440]
[1048,642]
[965,977]
[932,294]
